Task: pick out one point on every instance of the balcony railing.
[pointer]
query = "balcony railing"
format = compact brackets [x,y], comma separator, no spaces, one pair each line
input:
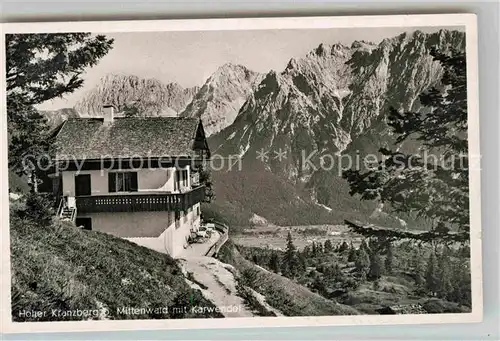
[140,202]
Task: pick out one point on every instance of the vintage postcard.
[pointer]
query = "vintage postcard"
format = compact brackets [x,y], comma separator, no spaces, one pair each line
[226,173]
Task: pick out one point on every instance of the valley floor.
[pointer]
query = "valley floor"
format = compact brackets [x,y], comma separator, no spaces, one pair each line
[274,237]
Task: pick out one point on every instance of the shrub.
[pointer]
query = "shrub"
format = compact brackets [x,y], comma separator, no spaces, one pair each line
[389,260]
[343,247]
[438,306]
[376,267]
[37,207]
[252,302]
[352,254]
[249,277]
[362,264]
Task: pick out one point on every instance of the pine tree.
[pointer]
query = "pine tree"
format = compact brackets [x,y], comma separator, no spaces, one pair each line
[376,266]
[418,270]
[389,260]
[314,250]
[307,251]
[328,246]
[438,191]
[362,264]
[33,79]
[445,286]
[352,254]
[464,251]
[461,278]
[290,258]
[337,274]
[373,245]
[328,272]
[285,270]
[344,246]
[319,248]
[319,285]
[431,275]
[274,262]
[302,263]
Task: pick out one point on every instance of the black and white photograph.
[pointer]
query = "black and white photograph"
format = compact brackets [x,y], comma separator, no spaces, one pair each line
[208,170]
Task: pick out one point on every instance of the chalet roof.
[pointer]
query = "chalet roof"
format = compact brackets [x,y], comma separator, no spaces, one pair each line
[125,137]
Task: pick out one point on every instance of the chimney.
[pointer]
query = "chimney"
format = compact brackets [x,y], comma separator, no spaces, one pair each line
[109,113]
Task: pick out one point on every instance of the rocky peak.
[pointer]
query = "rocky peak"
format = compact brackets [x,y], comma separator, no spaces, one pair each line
[229,67]
[218,101]
[363,45]
[328,51]
[321,50]
[292,64]
[334,96]
[149,95]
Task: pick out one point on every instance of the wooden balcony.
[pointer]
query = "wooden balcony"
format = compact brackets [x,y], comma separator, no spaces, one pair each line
[139,202]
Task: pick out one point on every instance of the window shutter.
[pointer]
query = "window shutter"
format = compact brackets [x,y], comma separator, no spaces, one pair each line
[111,182]
[133,182]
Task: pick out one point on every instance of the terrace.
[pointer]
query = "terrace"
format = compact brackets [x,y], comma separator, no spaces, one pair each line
[139,201]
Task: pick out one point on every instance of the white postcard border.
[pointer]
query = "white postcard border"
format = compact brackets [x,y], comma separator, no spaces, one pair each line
[469,21]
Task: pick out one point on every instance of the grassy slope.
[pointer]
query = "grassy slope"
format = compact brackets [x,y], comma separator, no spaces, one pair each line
[281,293]
[398,289]
[62,267]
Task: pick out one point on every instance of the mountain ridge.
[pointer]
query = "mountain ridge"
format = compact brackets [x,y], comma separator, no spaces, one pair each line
[149,96]
[217,102]
[331,102]
[220,98]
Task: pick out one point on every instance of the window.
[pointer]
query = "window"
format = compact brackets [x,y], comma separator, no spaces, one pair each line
[181,179]
[122,182]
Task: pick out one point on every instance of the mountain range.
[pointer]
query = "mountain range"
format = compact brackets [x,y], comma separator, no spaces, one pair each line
[218,101]
[149,96]
[331,102]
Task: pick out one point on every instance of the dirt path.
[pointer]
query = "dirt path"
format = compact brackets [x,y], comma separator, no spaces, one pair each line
[217,283]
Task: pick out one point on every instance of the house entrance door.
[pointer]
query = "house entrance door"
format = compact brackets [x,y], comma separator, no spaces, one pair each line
[82,184]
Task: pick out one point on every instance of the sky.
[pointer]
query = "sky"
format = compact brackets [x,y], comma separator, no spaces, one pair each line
[189,58]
